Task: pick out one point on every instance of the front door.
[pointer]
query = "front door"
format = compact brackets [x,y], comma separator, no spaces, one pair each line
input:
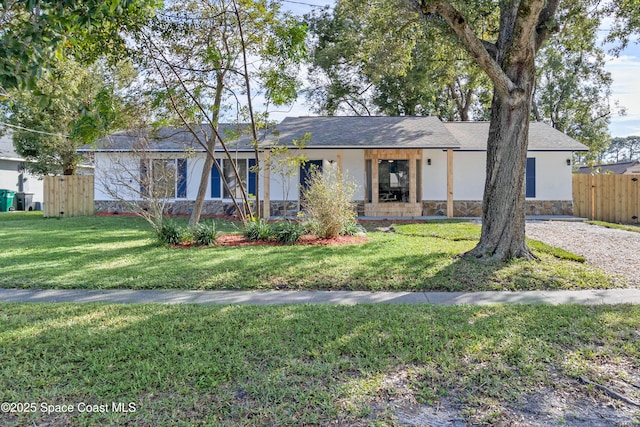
[305,172]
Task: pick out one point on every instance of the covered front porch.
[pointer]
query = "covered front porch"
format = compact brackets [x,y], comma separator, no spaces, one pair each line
[393,182]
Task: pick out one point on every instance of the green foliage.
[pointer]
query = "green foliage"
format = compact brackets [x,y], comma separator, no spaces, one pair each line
[632,228]
[257,229]
[206,233]
[170,233]
[327,202]
[81,105]
[621,149]
[36,35]
[288,232]
[353,229]
[573,91]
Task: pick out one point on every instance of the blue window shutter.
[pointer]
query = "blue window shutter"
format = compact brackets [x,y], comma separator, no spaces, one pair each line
[215,181]
[182,179]
[252,177]
[143,177]
[531,177]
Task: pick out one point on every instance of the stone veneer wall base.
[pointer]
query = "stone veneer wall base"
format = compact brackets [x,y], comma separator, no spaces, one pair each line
[473,208]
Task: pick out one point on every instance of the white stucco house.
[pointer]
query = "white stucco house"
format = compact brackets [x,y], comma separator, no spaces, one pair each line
[14,177]
[404,166]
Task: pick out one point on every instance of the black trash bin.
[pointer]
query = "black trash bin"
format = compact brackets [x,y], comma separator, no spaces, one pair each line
[24,201]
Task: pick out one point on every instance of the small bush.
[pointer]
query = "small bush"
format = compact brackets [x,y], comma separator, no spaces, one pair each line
[257,229]
[169,233]
[327,202]
[353,229]
[206,233]
[289,232]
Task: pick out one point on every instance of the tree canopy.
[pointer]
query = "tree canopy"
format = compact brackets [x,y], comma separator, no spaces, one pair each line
[71,106]
[36,33]
[440,78]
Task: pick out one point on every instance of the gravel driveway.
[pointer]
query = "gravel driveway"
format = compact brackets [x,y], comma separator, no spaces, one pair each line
[615,251]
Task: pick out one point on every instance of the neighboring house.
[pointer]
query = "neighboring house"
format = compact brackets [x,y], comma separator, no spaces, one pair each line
[14,177]
[405,166]
[622,168]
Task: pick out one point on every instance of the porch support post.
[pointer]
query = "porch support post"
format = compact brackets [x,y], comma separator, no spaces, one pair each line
[339,160]
[266,209]
[450,183]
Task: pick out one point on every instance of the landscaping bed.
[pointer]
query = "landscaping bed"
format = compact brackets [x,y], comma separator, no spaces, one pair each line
[121,252]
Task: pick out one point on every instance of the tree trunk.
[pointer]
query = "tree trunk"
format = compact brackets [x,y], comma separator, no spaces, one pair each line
[510,64]
[202,191]
[208,162]
[503,204]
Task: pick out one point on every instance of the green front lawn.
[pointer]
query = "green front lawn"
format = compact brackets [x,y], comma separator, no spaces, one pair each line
[304,365]
[120,252]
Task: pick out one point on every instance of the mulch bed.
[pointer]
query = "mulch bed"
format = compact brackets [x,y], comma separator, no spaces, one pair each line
[239,240]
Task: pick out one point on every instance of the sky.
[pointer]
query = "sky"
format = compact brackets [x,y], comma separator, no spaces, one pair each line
[624,69]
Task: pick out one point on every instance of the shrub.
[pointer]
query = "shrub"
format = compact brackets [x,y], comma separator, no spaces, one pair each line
[289,232]
[257,229]
[353,229]
[327,202]
[206,233]
[169,233]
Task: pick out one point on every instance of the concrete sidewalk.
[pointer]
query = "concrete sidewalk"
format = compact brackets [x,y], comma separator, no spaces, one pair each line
[591,297]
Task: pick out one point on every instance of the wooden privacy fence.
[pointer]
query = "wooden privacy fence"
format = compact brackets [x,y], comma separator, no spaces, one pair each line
[68,195]
[611,198]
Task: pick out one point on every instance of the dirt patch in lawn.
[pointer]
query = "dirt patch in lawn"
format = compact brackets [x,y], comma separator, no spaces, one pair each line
[566,402]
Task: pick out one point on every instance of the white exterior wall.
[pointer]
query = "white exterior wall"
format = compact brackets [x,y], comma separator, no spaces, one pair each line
[468,175]
[9,180]
[353,168]
[115,175]
[553,175]
[123,168]
[434,176]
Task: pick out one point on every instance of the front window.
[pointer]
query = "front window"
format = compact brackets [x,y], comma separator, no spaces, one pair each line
[163,178]
[163,172]
[393,181]
[231,179]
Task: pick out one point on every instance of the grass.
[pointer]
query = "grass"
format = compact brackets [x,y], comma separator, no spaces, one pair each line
[463,231]
[120,252]
[301,365]
[624,227]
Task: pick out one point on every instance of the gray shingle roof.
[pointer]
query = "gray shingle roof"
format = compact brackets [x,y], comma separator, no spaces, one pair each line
[616,168]
[169,139]
[367,132]
[348,132]
[7,151]
[473,136]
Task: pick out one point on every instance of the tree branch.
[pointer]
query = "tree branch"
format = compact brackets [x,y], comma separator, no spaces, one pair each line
[481,50]
[546,23]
